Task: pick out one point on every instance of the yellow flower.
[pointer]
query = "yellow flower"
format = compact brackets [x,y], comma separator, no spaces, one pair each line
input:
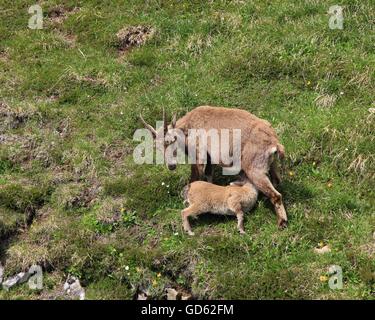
[321,244]
[138,269]
[329,184]
[323,278]
[159,275]
[122,210]
[154,283]
[308,82]
[291,173]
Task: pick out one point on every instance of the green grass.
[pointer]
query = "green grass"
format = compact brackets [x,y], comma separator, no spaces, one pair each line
[69,162]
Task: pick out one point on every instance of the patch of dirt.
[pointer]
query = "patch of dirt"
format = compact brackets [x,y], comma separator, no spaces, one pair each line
[325,100]
[67,38]
[13,118]
[172,270]
[23,149]
[59,13]
[116,152]
[133,36]
[110,211]
[85,198]
[11,139]
[369,249]
[19,148]
[96,81]
[63,128]
[4,55]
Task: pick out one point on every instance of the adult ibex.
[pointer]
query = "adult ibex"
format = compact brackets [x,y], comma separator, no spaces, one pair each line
[259,146]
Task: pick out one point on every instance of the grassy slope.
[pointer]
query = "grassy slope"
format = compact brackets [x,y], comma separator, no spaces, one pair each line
[271,58]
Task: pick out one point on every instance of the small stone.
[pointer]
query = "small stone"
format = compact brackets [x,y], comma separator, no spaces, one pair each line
[66,286]
[322,250]
[172,294]
[142,296]
[73,287]
[82,295]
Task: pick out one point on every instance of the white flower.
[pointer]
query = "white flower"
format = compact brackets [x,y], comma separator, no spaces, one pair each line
[176,233]
[127,268]
[341,92]
[162,183]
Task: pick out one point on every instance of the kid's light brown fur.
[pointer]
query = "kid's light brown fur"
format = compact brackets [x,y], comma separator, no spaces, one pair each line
[229,200]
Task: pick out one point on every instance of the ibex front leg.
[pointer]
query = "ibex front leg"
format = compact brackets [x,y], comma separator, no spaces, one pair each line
[197,172]
[263,184]
[192,210]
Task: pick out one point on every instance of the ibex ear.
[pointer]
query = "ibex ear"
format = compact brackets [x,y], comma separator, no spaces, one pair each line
[174,120]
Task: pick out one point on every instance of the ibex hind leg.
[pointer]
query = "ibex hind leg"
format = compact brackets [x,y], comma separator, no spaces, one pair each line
[275,174]
[263,184]
[208,171]
[197,172]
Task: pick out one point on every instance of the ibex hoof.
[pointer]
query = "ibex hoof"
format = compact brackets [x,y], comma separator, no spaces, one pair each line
[242,232]
[282,224]
[191,233]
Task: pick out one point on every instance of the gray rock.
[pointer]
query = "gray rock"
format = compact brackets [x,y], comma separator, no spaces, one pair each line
[9,283]
[23,277]
[66,286]
[20,278]
[142,296]
[172,294]
[1,273]
[73,287]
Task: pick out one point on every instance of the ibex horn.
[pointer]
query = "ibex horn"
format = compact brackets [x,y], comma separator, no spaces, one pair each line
[164,122]
[174,120]
[149,127]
